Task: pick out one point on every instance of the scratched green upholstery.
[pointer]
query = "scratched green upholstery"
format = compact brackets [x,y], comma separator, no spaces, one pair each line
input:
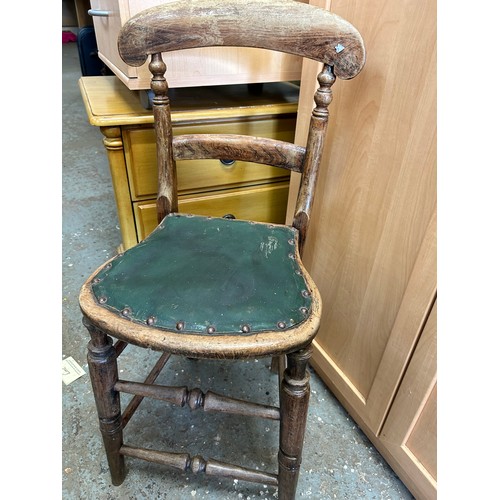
[208,276]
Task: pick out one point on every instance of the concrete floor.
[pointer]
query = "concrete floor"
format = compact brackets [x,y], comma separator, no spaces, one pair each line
[338,461]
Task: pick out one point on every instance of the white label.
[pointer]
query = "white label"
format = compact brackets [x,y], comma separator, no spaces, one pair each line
[71,370]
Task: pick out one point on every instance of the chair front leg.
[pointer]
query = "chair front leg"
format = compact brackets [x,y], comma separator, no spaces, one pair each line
[294,402]
[103,371]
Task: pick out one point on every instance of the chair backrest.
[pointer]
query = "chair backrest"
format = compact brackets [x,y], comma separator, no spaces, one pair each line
[283,25]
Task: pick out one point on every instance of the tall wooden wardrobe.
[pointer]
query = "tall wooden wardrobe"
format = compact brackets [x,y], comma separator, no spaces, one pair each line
[372,245]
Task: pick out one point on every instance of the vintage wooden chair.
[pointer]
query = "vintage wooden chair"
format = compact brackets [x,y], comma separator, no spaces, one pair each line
[204,287]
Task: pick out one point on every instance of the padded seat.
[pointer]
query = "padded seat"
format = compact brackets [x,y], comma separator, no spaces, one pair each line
[201,276]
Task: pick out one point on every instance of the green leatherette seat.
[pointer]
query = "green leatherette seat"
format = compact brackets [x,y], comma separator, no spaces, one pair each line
[208,276]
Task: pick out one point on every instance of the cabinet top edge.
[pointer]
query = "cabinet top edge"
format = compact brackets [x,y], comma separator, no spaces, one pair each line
[109,102]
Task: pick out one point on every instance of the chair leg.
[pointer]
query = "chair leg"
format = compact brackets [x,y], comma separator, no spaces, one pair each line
[294,402]
[103,371]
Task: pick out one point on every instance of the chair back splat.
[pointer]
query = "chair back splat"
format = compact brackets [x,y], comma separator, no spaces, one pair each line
[206,287]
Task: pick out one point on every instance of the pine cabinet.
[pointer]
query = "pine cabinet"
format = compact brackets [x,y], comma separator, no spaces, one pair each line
[206,187]
[372,245]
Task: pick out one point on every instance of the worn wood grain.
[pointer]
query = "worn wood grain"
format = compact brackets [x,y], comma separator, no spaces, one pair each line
[314,151]
[103,370]
[239,147]
[184,462]
[308,31]
[197,399]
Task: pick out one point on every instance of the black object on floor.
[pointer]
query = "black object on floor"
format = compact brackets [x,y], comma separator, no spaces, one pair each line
[90,63]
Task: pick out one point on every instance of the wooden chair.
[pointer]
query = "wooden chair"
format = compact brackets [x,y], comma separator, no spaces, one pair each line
[204,287]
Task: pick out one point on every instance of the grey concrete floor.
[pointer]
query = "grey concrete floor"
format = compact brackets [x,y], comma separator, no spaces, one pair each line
[338,461]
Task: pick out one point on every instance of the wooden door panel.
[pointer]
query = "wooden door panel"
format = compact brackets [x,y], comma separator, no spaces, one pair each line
[409,433]
[371,249]
[403,336]
[423,437]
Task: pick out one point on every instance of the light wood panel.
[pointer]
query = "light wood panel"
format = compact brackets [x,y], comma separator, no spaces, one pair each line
[371,248]
[402,338]
[376,197]
[411,427]
[106,32]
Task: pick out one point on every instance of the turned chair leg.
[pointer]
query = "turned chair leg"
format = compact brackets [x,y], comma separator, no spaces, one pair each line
[104,375]
[294,402]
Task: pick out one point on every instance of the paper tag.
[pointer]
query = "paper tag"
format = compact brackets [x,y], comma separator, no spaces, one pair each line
[71,370]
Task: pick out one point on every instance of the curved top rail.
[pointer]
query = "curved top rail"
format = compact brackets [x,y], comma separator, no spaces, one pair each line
[283,25]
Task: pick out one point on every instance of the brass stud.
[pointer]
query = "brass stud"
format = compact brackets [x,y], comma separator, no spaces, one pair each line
[211,329]
[102,300]
[291,242]
[306,293]
[126,311]
[245,328]
[180,325]
[108,265]
[151,320]
[304,310]
[291,256]
[96,280]
[298,272]
[281,324]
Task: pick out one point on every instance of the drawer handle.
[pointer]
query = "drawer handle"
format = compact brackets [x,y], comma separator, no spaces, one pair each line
[98,13]
[227,163]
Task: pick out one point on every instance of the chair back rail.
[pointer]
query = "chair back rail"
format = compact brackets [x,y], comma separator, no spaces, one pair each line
[282,25]
[239,148]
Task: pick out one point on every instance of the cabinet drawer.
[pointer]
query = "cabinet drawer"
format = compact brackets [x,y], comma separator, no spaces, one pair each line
[195,175]
[261,203]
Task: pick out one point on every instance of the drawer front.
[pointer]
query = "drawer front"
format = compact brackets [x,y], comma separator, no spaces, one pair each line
[262,203]
[202,175]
